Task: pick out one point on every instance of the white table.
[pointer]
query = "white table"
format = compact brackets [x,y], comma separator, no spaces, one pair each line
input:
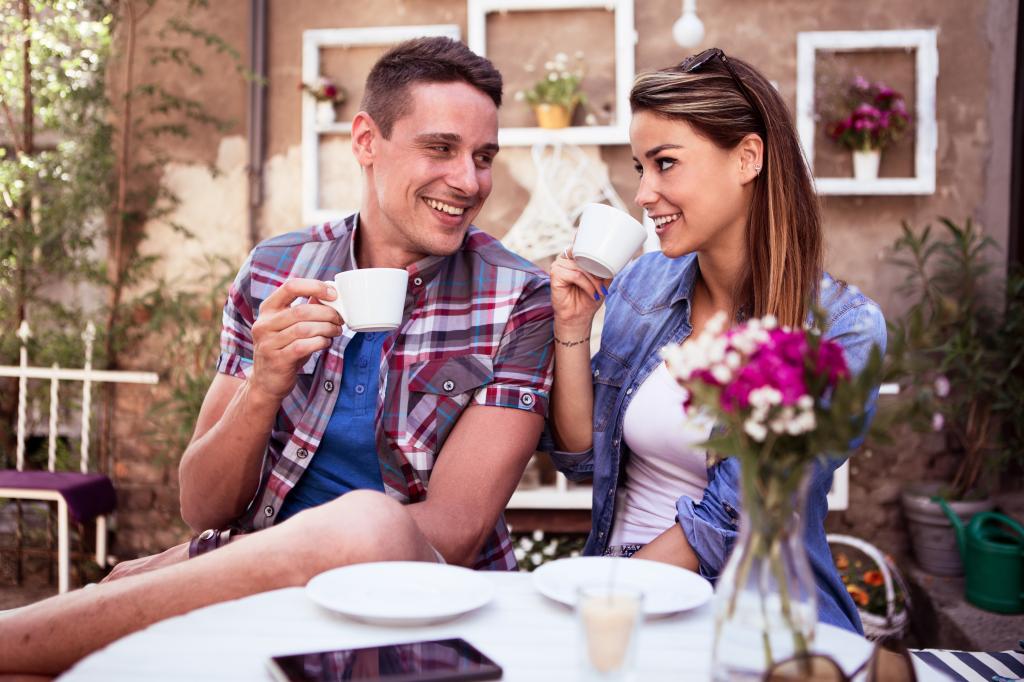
[531,637]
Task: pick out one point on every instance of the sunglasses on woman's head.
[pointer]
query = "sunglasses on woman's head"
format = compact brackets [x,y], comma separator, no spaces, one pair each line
[694,62]
[883,665]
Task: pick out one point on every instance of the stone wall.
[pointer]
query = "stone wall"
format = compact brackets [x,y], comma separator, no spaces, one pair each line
[974,106]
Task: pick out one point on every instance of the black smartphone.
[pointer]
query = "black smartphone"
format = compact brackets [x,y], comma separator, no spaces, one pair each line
[437,661]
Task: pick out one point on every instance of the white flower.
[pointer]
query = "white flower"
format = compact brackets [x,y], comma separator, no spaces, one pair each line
[805,402]
[721,373]
[550,549]
[770,322]
[590,120]
[526,544]
[550,66]
[536,558]
[942,386]
[519,96]
[755,430]
[733,359]
[561,57]
[938,421]
[538,535]
[564,75]
[520,553]
[552,77]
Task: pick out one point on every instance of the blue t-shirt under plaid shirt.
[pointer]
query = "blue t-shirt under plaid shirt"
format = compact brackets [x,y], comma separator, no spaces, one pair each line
[347,458]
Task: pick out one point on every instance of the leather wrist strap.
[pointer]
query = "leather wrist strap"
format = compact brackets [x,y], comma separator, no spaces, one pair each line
[207,541]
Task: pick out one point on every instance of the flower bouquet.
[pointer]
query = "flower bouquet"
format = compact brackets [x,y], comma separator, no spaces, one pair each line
[782,398]
[555,97]
[867,118]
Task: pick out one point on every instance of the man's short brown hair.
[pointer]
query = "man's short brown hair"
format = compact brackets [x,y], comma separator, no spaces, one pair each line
[423,60]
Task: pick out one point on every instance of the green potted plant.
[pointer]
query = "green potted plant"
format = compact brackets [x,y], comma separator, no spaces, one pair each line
[555,97]
[951,355]
[866,118]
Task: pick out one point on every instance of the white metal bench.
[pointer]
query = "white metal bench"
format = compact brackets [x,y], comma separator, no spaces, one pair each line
[75,493]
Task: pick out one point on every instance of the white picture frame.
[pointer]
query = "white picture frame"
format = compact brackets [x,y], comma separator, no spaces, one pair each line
[924,42]
[625,65]
[313,41]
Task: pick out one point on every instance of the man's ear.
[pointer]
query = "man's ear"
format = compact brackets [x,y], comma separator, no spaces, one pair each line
[365,135]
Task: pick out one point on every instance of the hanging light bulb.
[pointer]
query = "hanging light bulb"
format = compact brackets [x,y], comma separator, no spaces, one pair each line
[688,31]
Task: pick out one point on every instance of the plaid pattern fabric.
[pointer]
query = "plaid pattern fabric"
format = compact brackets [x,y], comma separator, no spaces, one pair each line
[477,329]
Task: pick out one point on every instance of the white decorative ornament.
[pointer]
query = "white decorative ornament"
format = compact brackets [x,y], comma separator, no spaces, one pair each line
[688,31]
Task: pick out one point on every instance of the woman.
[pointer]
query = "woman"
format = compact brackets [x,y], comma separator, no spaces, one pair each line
[723,178]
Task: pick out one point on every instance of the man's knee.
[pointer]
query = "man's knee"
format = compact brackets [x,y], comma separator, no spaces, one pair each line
[360,526]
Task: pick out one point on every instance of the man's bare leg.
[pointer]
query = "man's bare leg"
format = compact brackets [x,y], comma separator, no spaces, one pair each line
[52,635]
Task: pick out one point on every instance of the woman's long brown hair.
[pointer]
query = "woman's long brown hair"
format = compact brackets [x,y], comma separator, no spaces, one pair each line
[784,261]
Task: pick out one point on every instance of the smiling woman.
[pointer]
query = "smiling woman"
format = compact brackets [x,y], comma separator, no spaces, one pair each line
[722,177]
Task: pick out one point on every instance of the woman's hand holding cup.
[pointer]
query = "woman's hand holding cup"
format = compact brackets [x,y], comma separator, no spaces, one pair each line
[575,295]
[285,334]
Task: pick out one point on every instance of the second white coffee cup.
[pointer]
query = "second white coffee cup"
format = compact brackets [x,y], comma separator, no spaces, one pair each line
[607,238]
[371,299]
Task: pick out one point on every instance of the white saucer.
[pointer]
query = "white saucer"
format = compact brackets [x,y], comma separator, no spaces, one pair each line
[400,592]
[666,588]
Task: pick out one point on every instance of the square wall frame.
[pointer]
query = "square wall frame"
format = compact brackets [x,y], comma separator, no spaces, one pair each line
[625,65]
[924,43]
[312,42]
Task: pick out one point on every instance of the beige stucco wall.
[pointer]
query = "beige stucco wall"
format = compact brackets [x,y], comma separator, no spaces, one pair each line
[976,48]
[974,105]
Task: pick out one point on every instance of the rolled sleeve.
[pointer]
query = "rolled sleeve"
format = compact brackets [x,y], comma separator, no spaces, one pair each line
[523,362]
[711,526]
[236,345]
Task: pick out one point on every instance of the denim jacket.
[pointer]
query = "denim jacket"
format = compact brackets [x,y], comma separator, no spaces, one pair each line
[648,307]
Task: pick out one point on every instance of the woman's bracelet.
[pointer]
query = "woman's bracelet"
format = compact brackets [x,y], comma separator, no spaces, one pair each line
[570,344]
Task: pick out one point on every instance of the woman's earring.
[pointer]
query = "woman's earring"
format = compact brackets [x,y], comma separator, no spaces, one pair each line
[757,170]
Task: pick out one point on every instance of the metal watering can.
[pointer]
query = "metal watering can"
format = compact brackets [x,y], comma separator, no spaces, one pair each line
[992,549]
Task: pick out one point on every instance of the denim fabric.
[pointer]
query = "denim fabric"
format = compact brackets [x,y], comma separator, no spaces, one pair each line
[649,307]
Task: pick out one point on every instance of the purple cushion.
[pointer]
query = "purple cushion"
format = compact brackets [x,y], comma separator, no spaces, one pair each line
[87,495]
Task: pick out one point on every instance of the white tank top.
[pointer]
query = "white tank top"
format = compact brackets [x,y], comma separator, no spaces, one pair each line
[665,462]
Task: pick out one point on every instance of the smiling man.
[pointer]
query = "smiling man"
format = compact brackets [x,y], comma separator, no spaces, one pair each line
[343,447]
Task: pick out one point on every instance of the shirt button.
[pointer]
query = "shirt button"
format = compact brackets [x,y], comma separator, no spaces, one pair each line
[268,510]
[418,281]
[527,399]
[629,390]
[597,372]
[360,389]
[328,385]
[301,453]
[449,385]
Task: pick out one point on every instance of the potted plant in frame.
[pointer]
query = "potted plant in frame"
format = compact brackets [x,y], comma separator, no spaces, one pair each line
[327,95]
[955,355]
[866,118]
[555,97]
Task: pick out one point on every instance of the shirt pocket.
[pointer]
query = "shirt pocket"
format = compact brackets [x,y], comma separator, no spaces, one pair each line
[609,374]
[439,390]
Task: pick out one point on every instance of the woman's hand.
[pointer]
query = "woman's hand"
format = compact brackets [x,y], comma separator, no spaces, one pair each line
[575,294]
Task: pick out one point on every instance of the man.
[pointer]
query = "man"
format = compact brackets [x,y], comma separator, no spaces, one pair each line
[303,410]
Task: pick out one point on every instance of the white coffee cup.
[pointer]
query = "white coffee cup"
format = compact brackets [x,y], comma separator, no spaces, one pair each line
[370,300]
[606,239]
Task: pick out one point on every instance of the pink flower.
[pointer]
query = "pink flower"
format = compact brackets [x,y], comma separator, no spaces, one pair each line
[938,421]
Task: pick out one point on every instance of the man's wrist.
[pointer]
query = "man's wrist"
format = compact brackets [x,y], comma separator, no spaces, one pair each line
[207,541]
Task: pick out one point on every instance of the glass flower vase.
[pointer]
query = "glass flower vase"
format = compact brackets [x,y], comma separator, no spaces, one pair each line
[765,605]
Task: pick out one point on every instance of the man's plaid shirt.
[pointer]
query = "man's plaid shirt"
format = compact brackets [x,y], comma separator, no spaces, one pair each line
[477,329]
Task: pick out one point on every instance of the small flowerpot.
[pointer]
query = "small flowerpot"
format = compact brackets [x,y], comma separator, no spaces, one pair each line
[552,115]
[931,533]
[865,164]
[324,112]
